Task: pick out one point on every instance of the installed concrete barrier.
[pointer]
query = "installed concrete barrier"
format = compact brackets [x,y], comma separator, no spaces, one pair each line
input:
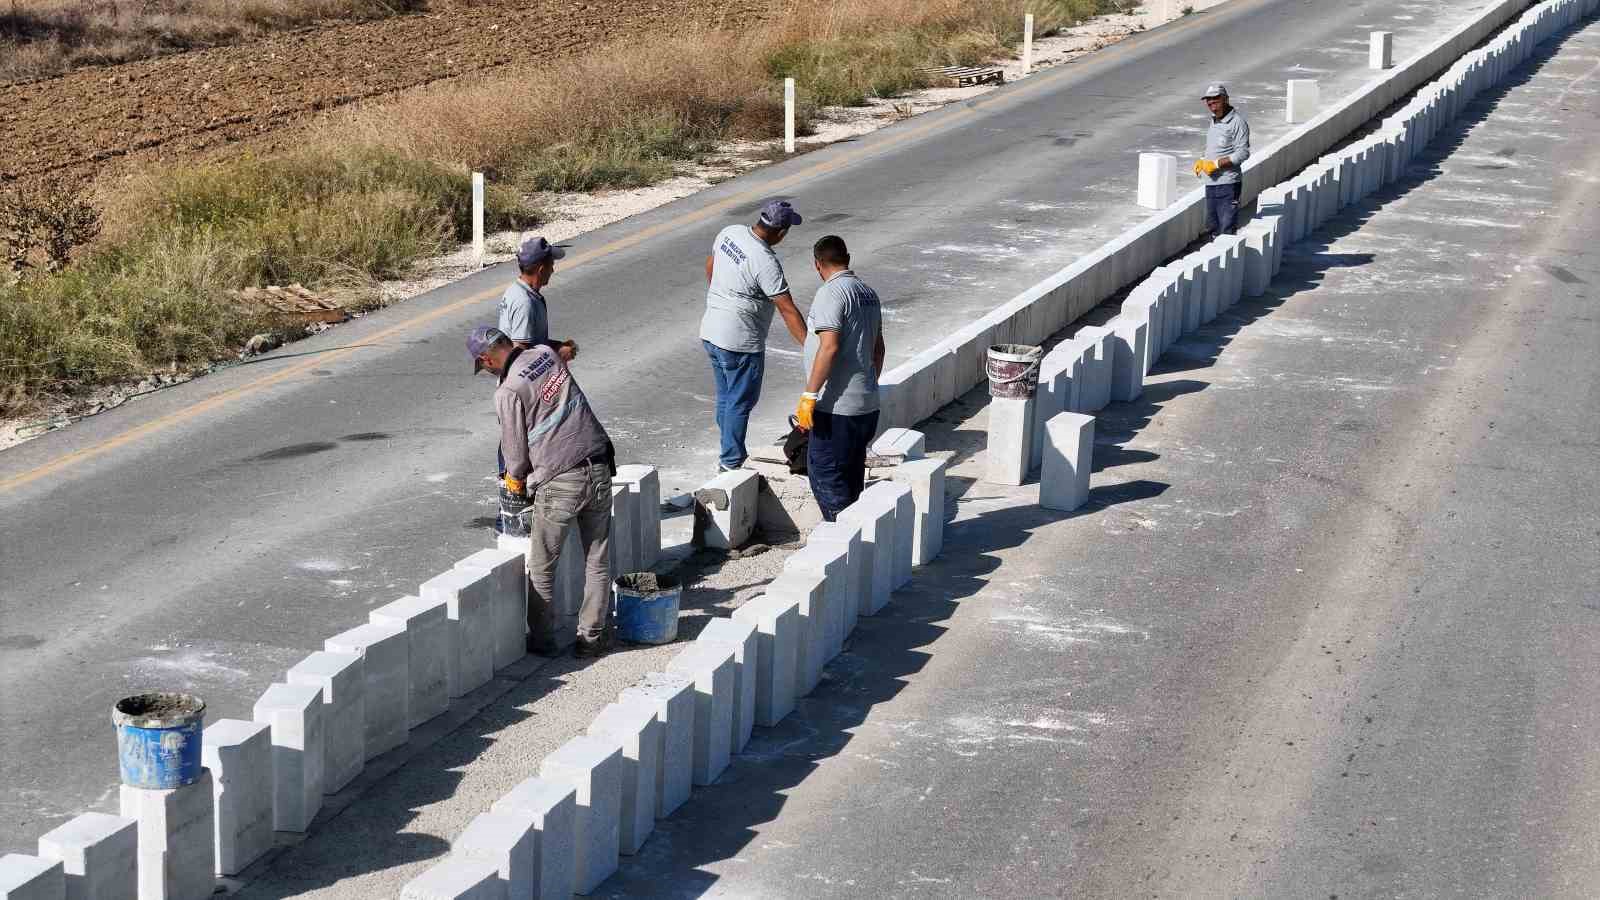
[844,598]
[925,477]
[897,495]
[593,768]
[99,855]
[553,809]
[429,648]
[176,845]
[632,724]
[294,712]
[808,590]
[740,637]
[239,755]
[342,678]
[875,515]
[24,877]
[385,662]
[644,486]
[777,623]
[505,840]
[469,598]
[457,878]
[829,563]
[507,574]
[671,696]
[712,668]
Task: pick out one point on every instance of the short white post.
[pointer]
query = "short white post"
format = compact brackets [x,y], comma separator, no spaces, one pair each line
[1303,100]
[1027,43]
[788,115]
[1381,54]
[477,218]
[1158,180]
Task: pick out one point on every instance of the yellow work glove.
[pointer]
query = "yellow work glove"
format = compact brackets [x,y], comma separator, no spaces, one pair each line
[802,413]
[1205,168]
[514,486]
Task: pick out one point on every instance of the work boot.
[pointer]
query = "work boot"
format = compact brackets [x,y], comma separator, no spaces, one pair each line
[541,646]
[587,649]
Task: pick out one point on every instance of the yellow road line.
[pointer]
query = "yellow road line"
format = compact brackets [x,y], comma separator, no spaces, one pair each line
[162,423]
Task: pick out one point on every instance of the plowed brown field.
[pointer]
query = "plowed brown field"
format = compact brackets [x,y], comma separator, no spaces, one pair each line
[191,103]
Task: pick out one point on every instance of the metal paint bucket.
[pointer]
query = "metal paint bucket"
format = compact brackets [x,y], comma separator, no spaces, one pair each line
[158,739]
[1013,370]
[647,608]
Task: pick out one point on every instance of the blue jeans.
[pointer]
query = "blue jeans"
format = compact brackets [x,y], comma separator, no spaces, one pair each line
[836,459]
[738,377]
[1222,207]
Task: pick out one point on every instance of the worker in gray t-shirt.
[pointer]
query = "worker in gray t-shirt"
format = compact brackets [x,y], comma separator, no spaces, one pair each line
[746,284]
[843,358]
[1227,147]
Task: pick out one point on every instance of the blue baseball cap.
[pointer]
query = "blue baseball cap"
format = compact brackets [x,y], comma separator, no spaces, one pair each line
[480,340]
[779,214]
[533,249]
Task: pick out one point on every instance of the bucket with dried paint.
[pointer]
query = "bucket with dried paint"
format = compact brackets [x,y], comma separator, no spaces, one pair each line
[647,608]
[158,739]
[1014,370]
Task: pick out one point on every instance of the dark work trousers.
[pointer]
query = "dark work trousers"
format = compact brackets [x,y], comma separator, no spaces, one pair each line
[836,458]
[1222,207]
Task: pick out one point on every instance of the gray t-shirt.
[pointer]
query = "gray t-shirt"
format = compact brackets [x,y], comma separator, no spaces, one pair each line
[523,315]
[1230,137]
[745,276]
[846,305]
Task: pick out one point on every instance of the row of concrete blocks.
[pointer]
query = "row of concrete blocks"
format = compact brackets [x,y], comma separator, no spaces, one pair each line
[312,735]
[599,795]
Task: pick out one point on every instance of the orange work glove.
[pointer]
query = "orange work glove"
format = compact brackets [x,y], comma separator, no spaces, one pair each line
[1205,168]
[802,413]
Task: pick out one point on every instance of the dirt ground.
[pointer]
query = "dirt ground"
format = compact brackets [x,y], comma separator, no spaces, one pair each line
[174,106]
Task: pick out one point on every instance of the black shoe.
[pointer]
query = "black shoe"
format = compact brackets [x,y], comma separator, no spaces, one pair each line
[545,647]
[591,649]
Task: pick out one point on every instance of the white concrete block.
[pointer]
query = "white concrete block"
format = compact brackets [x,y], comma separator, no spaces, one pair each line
[295,714]
[631,722]
[239,755]
[897,496]
[1158,180]
[1060,376]
[507,571]
[1132,348]
[469,605]
[844,605]
[25,877]
[740,637]
[1010,446]
[176,844]
[925,477]
[1215,279]
[457,878]
[343,680]
[1304,100]
[831,564]
[385,653]
[777,624]
[505,840]
[1172,329]
[624,531]
[99,854]
[725,509]
[899,444]
[429,649]
[644,483]
[1257,259]
[1380,54]
[1064,482]
[553,810]
[593,767]
[876,518]
[1194,294]
[672,696]
[809,592]
[1098,358]
[712,668]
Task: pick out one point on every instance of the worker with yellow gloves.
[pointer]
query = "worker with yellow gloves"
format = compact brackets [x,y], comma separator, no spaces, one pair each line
[1227,147]
[558,477]
[844,355]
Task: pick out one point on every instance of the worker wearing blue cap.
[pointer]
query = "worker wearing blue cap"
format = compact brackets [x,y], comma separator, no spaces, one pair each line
[745,285]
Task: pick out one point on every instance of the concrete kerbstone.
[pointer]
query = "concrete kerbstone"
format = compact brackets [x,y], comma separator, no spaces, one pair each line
[457,878]
[777,624]
[624,533]
[925,477]
[713,670]
[506,840]
[844,604]
[741,638]
[1098,357]
[1132,348]
[1158,180]
[24,877]
[176,843]
[725,510]
[593,767]
[1064,482]
[672,696]
[644,483]
[295,714]
[99,854]
[897,496]
[830,563]
[469,596]
[1060,376]
[507,571]
[631,722]
[385,652]
[809,592]
[877,520]
[1304,99]
[429,643]
[553,809]
[1010,446]
[899,444]
[239,755]
[343,680]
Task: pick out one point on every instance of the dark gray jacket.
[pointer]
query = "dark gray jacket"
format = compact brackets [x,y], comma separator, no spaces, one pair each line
[546,425]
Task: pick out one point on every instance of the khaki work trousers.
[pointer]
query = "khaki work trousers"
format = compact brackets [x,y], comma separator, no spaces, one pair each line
[577,498]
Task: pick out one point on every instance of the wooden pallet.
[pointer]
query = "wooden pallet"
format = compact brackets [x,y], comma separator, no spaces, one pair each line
[967,76]
[294,304]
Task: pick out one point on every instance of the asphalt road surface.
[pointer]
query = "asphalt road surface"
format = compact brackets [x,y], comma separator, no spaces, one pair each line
[205,538]
[1329,627]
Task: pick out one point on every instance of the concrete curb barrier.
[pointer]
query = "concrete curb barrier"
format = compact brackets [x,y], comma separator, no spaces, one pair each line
[740,637]
[26,877]
[644,486]
[593,768]
[712,668]
[99,856]
[809,592]
[505,840]
[469,596]
[176,842]
[777,623]
[671,695]
[553,808]
[385,661]
[897,495]
[925,477]
[428,653]
[875,516]
[829,563]
[342,678]
[457,878]
[295,715]
[239,755]
[1009,451]
[1068,458]
[725,510]
[845,598]
[633,725]
[507,573]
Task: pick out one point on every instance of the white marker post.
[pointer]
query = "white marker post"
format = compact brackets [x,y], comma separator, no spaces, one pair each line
[477,218]
[1027,43]
[1381,51]
[788,115]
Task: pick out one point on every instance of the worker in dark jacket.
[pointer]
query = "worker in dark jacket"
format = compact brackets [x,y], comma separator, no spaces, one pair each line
[557,464]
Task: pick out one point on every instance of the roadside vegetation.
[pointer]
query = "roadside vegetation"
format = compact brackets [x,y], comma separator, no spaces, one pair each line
[369,192]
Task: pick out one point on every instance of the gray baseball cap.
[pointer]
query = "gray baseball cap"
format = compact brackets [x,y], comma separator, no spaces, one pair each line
[481,339]
[533,249]
[779,214]
[1215,89]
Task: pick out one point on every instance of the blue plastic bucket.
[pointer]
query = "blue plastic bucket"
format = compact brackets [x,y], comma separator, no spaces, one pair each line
[647,608]
[158,739]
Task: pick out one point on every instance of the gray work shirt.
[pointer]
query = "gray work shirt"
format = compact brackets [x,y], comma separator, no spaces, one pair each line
[546,424]
[846,305]
[523,315]
[745,276]
[1230,137]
